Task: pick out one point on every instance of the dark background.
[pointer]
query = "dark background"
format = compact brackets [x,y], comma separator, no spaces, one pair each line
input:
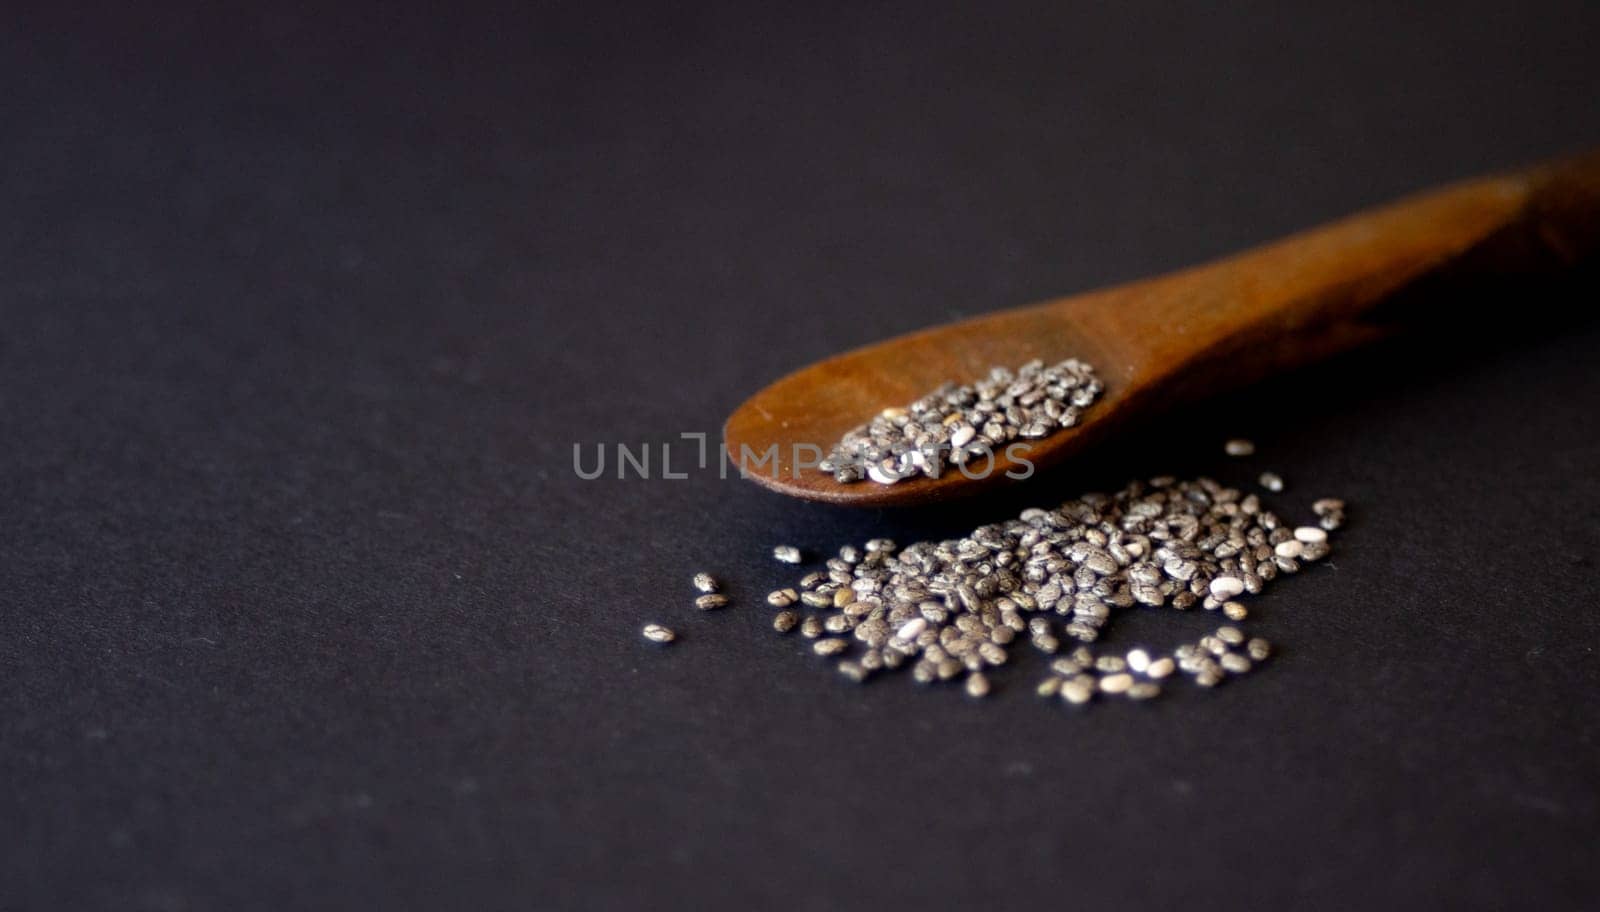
[304,607]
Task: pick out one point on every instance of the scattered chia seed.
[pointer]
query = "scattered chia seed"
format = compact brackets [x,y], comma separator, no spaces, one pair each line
[1234,663]
[1144,690]
[830,647]
[711,602]
[1330,513]
[1311,535]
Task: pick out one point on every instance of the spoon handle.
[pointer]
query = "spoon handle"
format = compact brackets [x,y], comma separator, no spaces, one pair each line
[1363,277]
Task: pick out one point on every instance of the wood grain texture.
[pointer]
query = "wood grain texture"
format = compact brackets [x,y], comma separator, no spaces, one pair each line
[1191,333]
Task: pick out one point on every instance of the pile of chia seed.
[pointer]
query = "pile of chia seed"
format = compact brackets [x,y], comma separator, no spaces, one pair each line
[953,610]
[956,424]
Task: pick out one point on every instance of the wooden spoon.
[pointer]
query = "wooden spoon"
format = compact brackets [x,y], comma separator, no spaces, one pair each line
[1180,336]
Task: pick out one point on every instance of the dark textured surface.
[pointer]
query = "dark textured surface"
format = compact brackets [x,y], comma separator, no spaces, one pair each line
[303,605]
